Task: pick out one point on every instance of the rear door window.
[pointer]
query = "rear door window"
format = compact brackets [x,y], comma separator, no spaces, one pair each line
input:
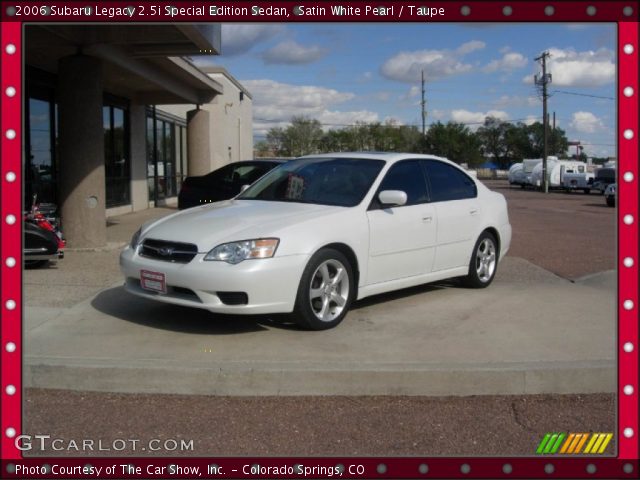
[446,182]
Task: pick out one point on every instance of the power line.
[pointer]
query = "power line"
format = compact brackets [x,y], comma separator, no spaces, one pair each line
[583,94]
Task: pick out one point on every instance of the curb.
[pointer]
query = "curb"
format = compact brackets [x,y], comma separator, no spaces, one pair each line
[254,379]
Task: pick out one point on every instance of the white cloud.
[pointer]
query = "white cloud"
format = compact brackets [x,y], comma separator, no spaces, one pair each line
[382,96]
[585,122]
[275,103]
[238,38]
[510,61]
[437,64]
[475,119]
[290,52]
[470,47]
[580,69]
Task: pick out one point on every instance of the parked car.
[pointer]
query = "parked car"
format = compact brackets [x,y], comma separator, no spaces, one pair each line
[604,177]
[223,183]
[317,233]
[610,194]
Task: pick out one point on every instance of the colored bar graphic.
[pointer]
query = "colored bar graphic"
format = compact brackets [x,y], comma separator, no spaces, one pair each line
[581,442]
[550,443]
[592,441]
[567,443]
[573,443]
[596,446]
[556,446]
[606,441]
[543,443]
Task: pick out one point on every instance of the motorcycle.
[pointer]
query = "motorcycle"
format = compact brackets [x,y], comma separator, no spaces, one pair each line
[43,240]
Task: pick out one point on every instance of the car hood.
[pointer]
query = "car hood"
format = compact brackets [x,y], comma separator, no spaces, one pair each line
[232,220]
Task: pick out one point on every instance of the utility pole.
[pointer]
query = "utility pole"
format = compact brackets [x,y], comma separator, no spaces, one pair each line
[424,112]
[543,82]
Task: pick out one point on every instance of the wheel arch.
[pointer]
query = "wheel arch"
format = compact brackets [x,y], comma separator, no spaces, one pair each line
[494,231]
[348,252]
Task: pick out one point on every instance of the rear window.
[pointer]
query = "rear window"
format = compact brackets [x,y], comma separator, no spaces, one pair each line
[446,182]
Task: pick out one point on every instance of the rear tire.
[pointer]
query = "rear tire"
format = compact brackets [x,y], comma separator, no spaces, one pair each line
[611,201]
[326,291]
[484,262]
[587,191]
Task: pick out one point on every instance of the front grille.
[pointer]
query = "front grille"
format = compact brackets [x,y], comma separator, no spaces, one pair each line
[233,298]
[176,252]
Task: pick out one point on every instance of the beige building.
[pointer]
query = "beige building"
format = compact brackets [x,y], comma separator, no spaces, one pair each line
[227,119]
[98,140]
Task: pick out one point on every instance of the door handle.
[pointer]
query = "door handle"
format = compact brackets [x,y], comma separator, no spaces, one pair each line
[427,219]
[473,211]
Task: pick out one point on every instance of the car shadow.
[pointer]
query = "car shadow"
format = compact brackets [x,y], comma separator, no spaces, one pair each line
[404,293]
[118,303]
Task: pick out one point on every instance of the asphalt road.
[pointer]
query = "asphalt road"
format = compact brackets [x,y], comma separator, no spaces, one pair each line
[317,426]
[570,235]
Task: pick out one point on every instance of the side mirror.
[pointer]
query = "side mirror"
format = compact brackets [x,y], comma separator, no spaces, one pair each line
[392,198]
[244,187]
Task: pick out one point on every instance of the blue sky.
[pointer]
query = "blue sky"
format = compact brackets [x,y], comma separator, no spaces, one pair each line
[341,73]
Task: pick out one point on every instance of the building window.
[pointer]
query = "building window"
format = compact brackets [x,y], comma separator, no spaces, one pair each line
[41,136]
[166,144]
[116,156]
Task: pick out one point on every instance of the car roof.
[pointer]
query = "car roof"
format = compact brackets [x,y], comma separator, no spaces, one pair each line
[266,159]
[385,156]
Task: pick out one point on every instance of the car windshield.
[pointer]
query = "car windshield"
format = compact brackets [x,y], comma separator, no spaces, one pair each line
[326,181]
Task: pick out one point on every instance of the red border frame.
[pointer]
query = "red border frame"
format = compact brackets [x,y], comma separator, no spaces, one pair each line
[10,204]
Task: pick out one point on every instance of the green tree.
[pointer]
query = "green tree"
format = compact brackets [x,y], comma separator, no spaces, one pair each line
[303,136]
[493,137]
[454,141]
[276,141]
[557,141]
[262,148]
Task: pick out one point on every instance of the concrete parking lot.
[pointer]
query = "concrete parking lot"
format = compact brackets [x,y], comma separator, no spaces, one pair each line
[437,352]
[537,329]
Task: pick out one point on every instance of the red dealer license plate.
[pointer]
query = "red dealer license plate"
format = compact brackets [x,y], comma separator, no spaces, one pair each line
[153,281]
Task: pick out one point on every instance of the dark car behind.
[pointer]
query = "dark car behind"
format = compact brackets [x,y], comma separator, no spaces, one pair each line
[604,178]
[223,183]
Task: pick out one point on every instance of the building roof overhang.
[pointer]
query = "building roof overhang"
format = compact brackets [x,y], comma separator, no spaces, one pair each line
[140,62]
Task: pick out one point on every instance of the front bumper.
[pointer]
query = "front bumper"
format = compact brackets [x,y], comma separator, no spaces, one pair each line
[270,284]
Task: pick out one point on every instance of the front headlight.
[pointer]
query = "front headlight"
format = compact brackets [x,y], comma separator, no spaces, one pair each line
[236,252]
[135,239]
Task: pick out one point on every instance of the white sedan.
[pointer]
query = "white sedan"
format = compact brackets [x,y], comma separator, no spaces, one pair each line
[317,233]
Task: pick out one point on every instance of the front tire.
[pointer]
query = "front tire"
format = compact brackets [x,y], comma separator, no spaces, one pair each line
[484,262]
[326,291]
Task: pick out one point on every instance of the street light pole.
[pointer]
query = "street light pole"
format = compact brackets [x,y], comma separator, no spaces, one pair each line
[543,82]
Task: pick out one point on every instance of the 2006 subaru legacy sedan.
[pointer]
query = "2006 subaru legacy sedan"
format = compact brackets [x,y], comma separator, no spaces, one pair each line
[319,232]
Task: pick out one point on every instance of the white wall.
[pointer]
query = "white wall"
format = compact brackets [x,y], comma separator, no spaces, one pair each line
[231,126]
